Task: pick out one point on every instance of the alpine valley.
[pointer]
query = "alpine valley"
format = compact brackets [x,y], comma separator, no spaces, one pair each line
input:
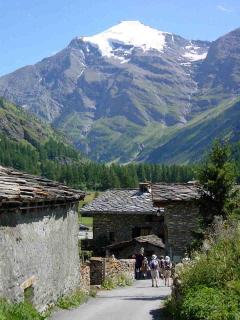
[133,93]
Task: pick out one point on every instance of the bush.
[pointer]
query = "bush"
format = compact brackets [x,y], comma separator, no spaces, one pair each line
[72,300]
[210,284]
[20,311]
[209,303]
[109,284]
[122,280]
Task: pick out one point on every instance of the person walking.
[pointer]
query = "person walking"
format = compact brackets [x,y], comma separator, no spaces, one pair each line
[138,264]
[145,268]
[154,267]
[161,264]
[167,270]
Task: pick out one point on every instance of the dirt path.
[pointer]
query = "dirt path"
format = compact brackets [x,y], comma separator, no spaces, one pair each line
[140,301]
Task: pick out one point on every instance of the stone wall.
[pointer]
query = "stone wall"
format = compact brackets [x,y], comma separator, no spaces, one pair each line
[85,277]
[39,249]
[102,268]
[114,267]
[121,225]
[180,220]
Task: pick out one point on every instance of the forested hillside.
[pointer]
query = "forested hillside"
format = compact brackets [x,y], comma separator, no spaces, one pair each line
[57,161]
[28,144]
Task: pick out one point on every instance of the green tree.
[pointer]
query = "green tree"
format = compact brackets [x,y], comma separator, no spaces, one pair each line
[217,178]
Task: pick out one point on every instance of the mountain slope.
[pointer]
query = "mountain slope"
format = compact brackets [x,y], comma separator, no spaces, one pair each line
[108,91]
[134,93]
[29,144]
[190,143]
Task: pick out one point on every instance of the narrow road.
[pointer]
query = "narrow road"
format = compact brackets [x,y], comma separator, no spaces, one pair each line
[140,301]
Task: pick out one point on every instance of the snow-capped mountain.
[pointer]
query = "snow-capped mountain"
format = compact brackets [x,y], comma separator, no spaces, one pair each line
[116,94]
[112,42]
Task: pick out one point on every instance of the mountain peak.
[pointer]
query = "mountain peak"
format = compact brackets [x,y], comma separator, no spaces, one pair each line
[131,33]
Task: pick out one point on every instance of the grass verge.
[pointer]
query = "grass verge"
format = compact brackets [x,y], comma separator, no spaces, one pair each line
[72,300]
[20,311]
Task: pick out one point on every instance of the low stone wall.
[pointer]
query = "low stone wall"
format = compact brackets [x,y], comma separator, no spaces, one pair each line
[114,267]
[102,268]
[85,277]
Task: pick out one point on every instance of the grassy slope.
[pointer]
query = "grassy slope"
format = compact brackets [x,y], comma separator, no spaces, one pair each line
[22,127]
[189,143]
[19,125]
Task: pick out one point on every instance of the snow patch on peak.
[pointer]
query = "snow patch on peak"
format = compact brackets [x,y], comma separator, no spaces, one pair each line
[194,53]
[130,33]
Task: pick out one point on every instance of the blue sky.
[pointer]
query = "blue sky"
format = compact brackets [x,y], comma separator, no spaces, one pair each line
[33,29]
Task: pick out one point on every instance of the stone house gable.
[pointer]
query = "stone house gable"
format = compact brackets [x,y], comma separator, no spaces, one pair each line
[169,211]
[38,237]
[178,204]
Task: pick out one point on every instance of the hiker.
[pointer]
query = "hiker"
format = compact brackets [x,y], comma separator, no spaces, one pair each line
[167,270]
[154,267]
[161,264]
[145,267]
[138,264]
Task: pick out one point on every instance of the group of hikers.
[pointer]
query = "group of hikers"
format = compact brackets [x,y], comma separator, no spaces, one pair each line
[158,268]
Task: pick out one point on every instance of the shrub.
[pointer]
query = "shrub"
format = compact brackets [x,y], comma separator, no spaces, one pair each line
[72,300]
[209,303]
[20,311]
[210,284]
[109,284]
[122,280]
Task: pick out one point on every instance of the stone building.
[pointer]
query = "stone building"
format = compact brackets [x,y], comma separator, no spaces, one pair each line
[39,258]
[178,205]
[169,211]
[152,244]
[123,214]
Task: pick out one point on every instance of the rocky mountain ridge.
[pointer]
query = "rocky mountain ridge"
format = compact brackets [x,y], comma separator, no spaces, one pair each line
[121,94]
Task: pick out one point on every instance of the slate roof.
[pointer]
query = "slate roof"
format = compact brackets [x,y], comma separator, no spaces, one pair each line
[175,192]
[19,190]
[150,239]
[121,201]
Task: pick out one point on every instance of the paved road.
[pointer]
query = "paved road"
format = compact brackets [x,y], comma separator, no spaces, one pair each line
[140,301]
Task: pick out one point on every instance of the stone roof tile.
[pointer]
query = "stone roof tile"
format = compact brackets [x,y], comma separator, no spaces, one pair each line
[19,189]
[121,201]
[174,192]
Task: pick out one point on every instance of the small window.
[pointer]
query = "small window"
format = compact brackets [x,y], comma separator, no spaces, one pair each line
[111,236]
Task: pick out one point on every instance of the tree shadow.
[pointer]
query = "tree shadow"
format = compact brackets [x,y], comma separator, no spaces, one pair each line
[145,298]
[160,314]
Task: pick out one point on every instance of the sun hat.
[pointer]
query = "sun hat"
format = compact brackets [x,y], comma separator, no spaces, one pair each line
[154,256]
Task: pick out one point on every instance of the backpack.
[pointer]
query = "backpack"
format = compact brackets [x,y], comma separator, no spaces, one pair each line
[162,264]
[154,265]
[167,265]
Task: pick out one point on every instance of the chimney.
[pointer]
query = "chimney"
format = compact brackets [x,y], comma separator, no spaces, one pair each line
[145,187]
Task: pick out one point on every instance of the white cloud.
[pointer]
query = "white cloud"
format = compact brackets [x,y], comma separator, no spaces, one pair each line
[223,8]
